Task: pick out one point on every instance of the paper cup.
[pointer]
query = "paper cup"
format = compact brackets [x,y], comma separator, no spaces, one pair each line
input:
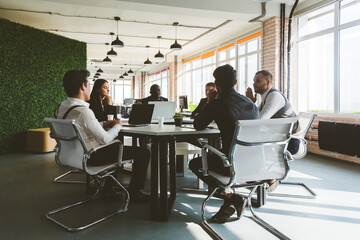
[161,121]
[110,117]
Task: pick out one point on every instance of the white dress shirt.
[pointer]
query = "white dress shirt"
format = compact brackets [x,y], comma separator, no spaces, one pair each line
[91,130]
[274,102]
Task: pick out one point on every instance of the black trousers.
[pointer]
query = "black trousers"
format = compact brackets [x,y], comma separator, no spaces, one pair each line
[214,164]
[140,155]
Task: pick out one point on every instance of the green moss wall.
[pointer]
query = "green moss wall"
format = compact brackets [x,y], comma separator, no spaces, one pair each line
[32,64]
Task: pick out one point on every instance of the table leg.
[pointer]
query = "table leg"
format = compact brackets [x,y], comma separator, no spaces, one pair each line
[163,144]
[172,162]
[154,179]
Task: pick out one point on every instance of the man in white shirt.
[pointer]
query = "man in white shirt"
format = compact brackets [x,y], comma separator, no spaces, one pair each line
[77,88]
[273,105]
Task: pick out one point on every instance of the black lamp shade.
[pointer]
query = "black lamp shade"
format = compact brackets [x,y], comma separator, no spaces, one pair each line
[107,60]
[99,70]
[175,46]
[159,55]
[111,52]
[147,61]
[97,74]
[114,80]
[121,76]
[117,43]
[125,74]
[130,71]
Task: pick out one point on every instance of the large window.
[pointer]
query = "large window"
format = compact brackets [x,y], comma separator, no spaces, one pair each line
[248,62]
[196,74]
[160,78]
[243,55]
[328,48]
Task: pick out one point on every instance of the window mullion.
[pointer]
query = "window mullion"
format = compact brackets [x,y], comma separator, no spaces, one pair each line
[337,59]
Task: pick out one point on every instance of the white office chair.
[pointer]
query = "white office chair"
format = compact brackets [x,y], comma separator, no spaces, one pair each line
[257,154]
[71,151]
[305,122]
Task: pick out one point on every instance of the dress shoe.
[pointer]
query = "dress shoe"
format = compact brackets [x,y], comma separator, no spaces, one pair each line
[225,212]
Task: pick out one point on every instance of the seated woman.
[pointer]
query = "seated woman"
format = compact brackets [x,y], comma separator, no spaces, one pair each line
[100,100]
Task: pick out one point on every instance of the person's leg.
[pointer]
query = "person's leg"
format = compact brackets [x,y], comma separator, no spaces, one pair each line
[232,202]
[293,146]
[214,164]
[141,157]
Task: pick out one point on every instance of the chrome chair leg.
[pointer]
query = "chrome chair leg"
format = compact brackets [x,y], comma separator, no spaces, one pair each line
[205,224]
[312,195]
[58,179]
[70,228]
[261,222]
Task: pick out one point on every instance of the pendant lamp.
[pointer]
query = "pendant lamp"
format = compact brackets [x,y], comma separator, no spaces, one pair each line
[107,59]
[117,42]
[112,52]
[147,60]
[175,46]
[99,70]
[159,55]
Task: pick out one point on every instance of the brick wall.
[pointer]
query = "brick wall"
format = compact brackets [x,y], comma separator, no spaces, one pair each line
[312,136]
[271,48]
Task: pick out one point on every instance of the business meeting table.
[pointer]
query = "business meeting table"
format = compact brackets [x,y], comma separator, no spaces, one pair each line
[163,139]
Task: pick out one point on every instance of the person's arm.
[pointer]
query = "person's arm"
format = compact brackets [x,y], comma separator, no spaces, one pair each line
[199,107]
[96,130]
[274,102]
[206,116]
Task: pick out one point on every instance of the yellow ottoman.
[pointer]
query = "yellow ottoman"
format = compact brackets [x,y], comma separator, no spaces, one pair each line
[38,140]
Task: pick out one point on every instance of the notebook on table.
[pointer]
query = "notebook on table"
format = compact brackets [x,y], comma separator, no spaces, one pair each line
[140,115]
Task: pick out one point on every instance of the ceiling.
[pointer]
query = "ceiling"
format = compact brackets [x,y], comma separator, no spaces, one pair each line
[203,24]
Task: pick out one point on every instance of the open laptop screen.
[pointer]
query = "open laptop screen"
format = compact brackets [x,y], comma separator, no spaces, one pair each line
[141,114]
[163,109]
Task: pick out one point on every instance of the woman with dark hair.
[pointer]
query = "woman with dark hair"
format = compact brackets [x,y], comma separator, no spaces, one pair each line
[100,100]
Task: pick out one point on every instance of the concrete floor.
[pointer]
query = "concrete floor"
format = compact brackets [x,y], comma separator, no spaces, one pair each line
[27,194]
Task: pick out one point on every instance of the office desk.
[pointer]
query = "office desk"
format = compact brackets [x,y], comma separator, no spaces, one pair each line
[164,138]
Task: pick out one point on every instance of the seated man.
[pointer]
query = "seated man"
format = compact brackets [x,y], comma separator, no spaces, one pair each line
[209,88]
[155,95]
[224,108]
[77,88]
[273,105]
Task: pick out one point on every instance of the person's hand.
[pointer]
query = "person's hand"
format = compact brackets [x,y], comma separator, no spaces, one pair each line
[108,100]
[108,124]
[212,95]
[249,94]
[117,121]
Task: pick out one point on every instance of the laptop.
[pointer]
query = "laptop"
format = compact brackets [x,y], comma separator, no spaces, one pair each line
[163,109]
[140,115]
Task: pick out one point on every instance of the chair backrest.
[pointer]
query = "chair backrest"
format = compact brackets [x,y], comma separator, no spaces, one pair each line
[305,122]
[258,149]
[71,148]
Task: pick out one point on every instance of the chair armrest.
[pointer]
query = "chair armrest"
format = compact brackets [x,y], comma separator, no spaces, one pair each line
[202,141]
[221,155]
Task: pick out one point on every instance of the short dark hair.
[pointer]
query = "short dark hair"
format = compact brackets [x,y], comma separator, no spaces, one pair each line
[225,76]
[210,84]
[266,74]
[73,80]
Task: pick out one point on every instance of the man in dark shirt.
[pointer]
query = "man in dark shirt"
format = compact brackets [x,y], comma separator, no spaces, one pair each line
[155,95]
[224,108]
[209,88]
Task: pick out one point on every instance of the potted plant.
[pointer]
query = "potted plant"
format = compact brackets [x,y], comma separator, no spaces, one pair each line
[178,119]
